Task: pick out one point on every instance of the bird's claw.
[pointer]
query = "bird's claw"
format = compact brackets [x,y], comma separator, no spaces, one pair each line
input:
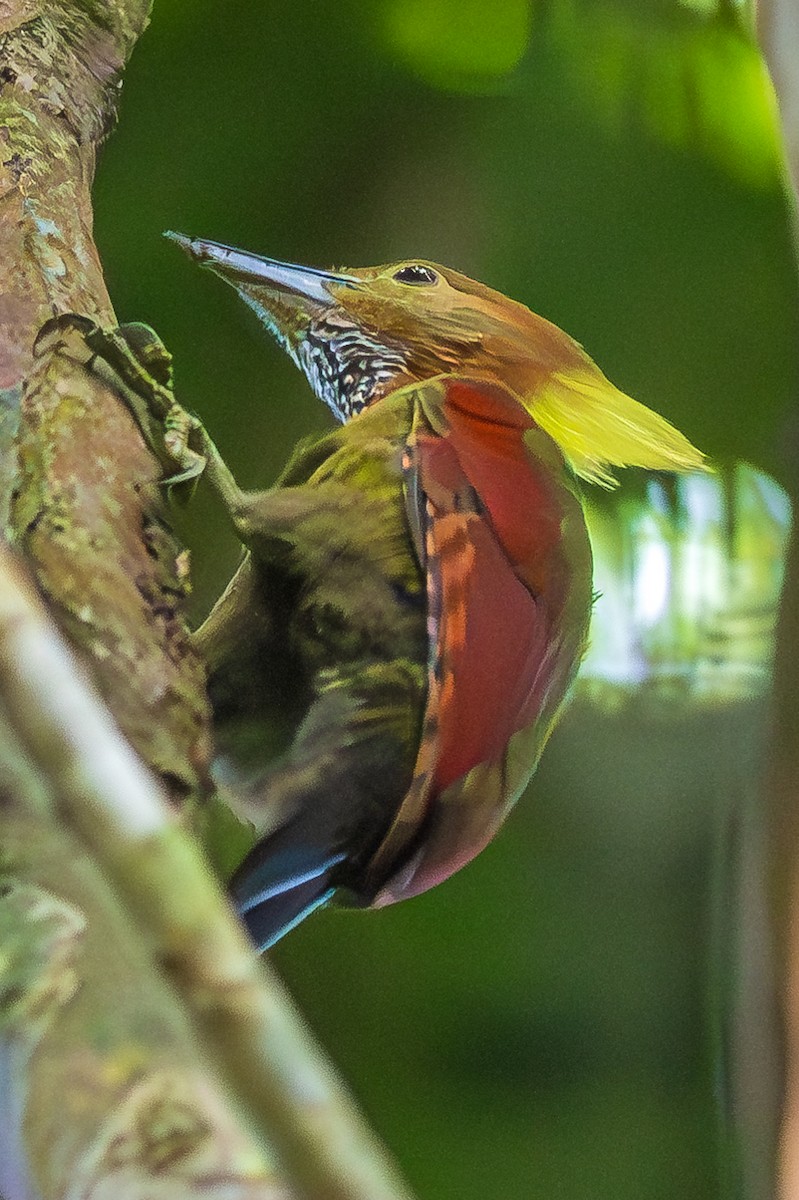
[141,367]
[179,426]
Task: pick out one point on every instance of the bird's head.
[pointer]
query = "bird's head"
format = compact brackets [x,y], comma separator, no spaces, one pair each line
[360,333]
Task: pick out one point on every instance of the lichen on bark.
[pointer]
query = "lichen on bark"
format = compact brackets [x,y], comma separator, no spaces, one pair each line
[87,512]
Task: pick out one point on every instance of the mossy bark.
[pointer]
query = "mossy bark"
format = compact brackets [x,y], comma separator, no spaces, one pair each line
[86,508]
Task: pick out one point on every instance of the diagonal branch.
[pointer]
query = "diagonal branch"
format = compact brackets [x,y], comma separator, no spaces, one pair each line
[242,1017]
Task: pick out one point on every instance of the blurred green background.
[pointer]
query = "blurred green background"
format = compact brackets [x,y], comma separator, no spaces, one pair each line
[540,1026]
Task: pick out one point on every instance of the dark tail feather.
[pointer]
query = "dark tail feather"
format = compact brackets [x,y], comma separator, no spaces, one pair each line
[268,920]
[283,879]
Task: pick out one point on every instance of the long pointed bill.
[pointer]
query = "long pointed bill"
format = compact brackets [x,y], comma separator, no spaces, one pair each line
[237,267]
[313,315]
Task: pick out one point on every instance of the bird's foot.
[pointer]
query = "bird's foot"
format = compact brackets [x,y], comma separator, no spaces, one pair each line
[140,370]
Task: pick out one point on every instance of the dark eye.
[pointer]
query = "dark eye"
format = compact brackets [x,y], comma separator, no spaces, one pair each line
[415,273]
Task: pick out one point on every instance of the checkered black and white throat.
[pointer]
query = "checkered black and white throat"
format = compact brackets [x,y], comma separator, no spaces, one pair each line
[345,365]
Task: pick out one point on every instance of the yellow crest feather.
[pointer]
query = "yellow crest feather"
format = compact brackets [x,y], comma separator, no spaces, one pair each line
[598,427]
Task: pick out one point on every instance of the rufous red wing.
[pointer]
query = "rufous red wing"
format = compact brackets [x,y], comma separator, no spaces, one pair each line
[486,516]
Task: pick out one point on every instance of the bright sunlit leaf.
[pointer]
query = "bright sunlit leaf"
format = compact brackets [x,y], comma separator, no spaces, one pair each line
[461,45]
[694,79]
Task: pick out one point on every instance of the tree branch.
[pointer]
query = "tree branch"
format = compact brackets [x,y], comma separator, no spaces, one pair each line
[104,1087]
[241,1016]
